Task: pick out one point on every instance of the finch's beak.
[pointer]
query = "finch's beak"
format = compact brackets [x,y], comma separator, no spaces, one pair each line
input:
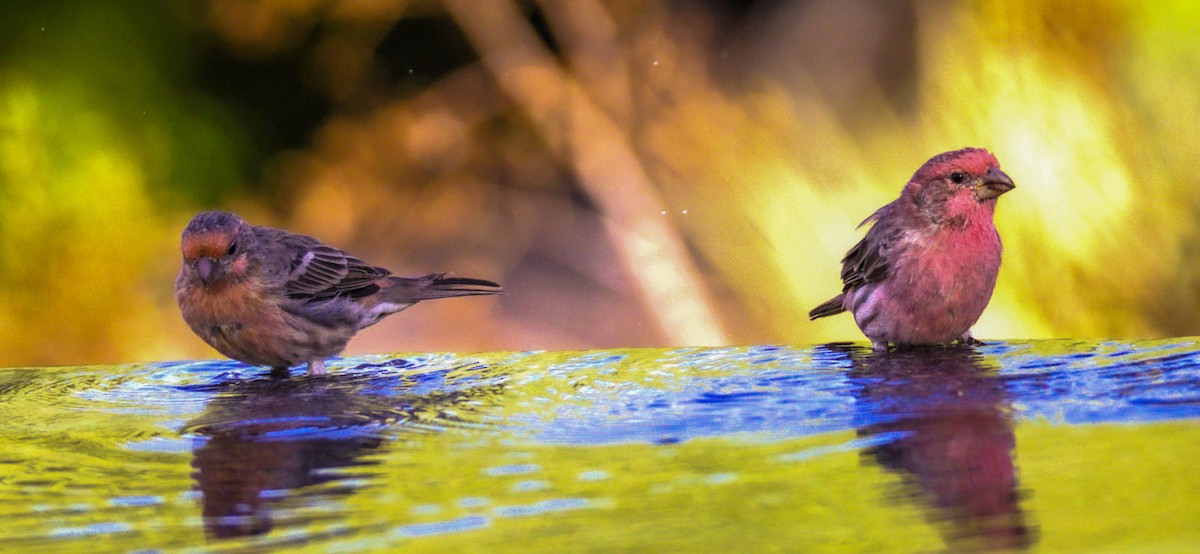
[994,183]
[206,269]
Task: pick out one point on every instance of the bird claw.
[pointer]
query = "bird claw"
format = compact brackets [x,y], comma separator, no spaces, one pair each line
[968,340]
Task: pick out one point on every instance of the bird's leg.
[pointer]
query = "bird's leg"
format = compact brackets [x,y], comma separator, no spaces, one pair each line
[316,367]
[879,345]
[280,372]
[969,340]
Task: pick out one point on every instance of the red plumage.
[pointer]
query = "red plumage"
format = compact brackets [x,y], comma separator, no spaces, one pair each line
[925,270]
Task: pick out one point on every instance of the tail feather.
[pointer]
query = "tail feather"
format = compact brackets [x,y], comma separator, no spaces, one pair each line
[436,285]
[833,306]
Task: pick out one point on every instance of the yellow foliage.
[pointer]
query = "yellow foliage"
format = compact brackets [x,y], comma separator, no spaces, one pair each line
[79,238]
[755,176]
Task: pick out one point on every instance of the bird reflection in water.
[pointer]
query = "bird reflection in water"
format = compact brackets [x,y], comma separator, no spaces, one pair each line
[258,441]
[943,422]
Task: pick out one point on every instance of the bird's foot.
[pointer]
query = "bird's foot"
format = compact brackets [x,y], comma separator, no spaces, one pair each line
[879,345]
[280,373]
[316,367]
[968,340]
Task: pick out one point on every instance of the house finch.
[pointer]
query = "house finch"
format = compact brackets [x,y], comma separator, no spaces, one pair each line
[268,297]
[925,270]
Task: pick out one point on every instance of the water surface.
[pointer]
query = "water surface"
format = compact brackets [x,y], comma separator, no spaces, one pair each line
[1043,445]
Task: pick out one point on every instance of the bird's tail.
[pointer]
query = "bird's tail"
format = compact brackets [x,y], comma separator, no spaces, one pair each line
[833,306]
[436,285]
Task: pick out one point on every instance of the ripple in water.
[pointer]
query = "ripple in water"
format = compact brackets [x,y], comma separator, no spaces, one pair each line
[386,450]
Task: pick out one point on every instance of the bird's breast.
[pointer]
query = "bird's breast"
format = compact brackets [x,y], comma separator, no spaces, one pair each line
[958,266]
[223,304]
[937,290]
[239,320]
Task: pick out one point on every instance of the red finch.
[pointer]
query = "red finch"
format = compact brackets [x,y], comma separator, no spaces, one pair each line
[926,269]
[268,297]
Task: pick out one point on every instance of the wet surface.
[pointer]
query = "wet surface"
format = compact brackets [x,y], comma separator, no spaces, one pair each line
[1045,445]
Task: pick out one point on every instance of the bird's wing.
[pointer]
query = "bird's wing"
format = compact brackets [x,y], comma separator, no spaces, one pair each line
[319,271]
[868,261]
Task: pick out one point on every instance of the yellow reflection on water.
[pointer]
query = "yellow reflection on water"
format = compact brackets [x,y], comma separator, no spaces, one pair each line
[661,174]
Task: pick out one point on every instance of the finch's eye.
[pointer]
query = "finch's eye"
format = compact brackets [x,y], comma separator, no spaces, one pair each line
[958,177]
[232,249]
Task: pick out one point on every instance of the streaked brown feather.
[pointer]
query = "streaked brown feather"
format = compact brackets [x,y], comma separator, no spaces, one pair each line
[436,285]
[868,261]
[328,272]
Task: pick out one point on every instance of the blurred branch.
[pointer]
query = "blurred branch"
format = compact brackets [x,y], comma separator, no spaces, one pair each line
[589,38]
[605,164]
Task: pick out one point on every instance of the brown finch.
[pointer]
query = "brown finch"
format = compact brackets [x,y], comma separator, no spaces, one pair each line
[925,270]
[268,297]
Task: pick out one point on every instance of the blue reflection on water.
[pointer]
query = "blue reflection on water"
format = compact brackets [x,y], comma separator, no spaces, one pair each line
[688,393]
[802,392]
[654,396]
[252,439]
[1081,387]
[452,526]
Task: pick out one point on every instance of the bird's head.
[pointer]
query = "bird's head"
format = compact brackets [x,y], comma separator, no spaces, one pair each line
[955,185]
[213,247]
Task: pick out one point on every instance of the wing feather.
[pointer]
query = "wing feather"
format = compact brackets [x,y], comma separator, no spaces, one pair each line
[869,260]
[319,271]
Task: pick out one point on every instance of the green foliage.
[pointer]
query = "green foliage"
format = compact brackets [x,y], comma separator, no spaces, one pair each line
[101,145]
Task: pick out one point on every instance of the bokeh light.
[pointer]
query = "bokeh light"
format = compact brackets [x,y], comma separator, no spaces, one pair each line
[635,174]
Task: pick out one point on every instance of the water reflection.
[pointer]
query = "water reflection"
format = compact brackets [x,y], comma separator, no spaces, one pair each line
[260,442]
[507,452]
[942,422]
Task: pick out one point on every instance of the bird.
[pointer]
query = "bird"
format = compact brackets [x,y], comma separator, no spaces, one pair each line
[926,268]
[268,297]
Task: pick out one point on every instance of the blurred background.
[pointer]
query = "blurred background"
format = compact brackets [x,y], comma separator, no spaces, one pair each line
[634,173]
